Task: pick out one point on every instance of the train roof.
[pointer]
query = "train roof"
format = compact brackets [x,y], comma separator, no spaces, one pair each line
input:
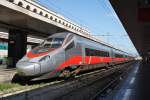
[91,38]
[101,42]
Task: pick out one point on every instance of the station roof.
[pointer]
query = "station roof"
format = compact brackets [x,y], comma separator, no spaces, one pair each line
[135,17]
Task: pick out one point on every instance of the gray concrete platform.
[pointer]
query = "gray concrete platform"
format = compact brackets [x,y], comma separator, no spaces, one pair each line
[6,74]
[136,86]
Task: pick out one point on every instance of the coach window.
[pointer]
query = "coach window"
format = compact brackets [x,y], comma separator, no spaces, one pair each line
[118,55]
[90,52]
[70,46]
[104,54]
[87,51]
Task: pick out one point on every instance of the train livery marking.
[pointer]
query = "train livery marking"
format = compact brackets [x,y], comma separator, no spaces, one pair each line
[88,60]
[30,54]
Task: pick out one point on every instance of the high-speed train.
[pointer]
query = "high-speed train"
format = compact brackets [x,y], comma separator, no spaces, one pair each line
[65,54]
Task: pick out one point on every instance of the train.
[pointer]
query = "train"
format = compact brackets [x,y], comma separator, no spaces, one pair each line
[66,54]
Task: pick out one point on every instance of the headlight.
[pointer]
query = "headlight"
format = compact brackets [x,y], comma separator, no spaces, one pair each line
[44,58]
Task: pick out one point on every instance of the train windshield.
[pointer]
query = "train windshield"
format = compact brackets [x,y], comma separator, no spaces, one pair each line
[48,45]
[52,43]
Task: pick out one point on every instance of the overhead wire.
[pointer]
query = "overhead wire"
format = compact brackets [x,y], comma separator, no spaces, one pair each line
[109,11]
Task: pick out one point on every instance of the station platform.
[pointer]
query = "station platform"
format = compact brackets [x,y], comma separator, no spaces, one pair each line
[136,85]
[6,74]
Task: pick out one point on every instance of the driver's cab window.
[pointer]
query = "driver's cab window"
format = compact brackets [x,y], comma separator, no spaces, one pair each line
[48,45]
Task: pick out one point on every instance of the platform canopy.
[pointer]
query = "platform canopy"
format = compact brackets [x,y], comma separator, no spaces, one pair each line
[135,16]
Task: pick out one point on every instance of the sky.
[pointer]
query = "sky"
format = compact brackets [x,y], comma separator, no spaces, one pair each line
[97,16]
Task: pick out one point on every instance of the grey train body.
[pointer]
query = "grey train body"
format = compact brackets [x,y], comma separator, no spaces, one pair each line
[43,60]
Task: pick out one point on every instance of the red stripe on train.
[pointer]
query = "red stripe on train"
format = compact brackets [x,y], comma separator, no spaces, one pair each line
[30,54]
[77,60]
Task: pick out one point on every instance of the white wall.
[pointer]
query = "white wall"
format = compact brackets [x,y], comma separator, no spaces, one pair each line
[3,53]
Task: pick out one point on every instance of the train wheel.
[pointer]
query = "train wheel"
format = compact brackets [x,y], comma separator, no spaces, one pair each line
[66,73]
[75,72]
[20,80]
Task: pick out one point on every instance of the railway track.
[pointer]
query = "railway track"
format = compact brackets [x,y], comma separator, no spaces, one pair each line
[95,88]
[100,95]
[61,89]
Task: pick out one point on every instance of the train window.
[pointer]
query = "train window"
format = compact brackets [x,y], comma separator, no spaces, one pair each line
[118,55]
[57,42]
[88,52]
[47,44]
[71,45]
[104,54]
[92,52]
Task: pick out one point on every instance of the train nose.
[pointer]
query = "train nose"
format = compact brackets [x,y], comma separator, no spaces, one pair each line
[28,69]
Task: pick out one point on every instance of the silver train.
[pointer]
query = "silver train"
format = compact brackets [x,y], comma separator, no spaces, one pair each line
[66,54]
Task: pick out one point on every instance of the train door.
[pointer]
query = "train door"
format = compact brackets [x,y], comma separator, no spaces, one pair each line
[70,51]
[59,58]
[83,53]
[73,53]
[111,55]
